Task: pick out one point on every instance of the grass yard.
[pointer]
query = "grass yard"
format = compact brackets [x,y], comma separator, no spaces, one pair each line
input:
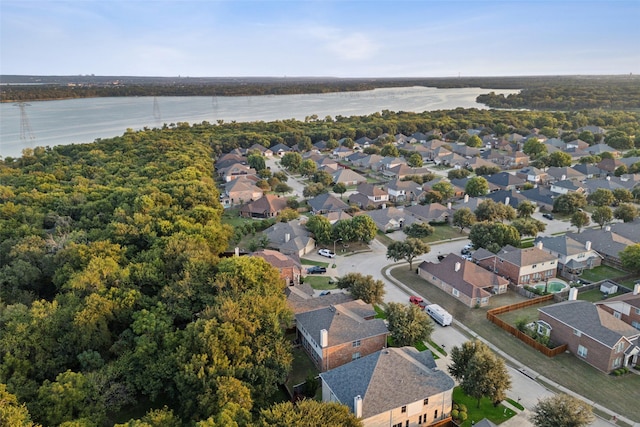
[445,232]
[305,261]
[602,272]
[320,282]
[301,368]
[619,394]
[497,414]
[594,295]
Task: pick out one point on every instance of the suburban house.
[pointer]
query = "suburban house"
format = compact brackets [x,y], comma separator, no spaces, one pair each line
[373,193]
[235,171]
[508,197]
[341,152]
[476,162]
[266,152]
[606,242]
[533,175]
[541,196]
[391,219]
[573,257]
[288,266]
[625,307]
[266,206]
[367,161]
[591,333]
[470,283]
[521,266]
[325,202]
[290,238]
[230,159]
[432,212]
[403,170]
[336,216]
[280,149]
[516,159]
[389,162]
[590,171]
[242,190]
[339,334]
[565,173]
[598,149]
[567,186]
[347,177]
[506,181]
[392,387]
[404,191]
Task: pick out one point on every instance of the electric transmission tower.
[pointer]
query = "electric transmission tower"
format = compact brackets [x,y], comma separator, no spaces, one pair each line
[25,127]
[156,109]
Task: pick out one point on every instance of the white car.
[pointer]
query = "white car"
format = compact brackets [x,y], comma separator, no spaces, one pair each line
[327,253]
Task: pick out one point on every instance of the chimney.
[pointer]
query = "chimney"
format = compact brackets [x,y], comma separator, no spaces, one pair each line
[573,294]
[324,338]
[287,237]
[457,266]
[539,245]
[384,206]
[506,201]
[587,245]
[236,251]
[608,178]
[357,406]
[636,289]
[466,198]
[607,228]
[563,177]
[449,205]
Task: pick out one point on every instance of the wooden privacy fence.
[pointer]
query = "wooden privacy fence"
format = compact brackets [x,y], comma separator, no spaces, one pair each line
[492,316]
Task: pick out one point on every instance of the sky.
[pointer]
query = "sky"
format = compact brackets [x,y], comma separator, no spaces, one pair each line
[335,38]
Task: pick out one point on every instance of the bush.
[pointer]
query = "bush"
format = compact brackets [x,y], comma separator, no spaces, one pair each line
[462,407]
[455,414]
[462,416]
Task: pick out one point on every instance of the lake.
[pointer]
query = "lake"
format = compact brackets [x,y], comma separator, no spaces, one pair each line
[50,123]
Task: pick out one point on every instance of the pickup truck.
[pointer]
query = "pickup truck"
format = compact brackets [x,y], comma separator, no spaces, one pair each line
[316,269]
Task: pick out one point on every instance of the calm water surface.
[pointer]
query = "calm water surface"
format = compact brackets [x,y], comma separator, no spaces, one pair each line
[50,123]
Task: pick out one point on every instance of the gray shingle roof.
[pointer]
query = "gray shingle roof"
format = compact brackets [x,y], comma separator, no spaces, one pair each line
[344,322]
[585,317]
[525,257]
[603,241]
[387,379]
[564,245]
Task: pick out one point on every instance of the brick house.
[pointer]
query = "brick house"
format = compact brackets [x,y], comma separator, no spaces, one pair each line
[573,257]
[288,266]
[468,282]
[335,335]
[266,206]
[625,307]
[591,334]
[392,387]
[520,266]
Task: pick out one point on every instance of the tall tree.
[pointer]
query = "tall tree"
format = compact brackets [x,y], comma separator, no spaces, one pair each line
[463,217]
[528,226]
[477,186]
[308,413]
[408,323]
[408,249]
[321,228]
[487,170]
[626,212]
[415,160]
[488,210]
[364,228]
[389,150]
[630,257]
[291,161]
[307,167]
[418,230]
[444,188]
[601,197]
[580,220]
[562,410]
[256,161]
[525,209]
[363,287]
[534,148]
[569,203]
[493,236]
[340,189]
[602,215]
[559,159]
[480,372]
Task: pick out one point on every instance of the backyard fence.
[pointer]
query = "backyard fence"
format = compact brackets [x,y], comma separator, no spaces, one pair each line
[492,316]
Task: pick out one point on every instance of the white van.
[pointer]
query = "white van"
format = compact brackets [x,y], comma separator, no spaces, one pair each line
[439,314]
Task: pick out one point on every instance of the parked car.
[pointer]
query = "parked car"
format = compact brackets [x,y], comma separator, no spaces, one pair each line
[316,269]
[323,293]
[327,253]
[547,215]
[441,257]
[465,251]
[417,301]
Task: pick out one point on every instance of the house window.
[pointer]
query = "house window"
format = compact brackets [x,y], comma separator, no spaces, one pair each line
[404,410]
[356,343]
[616,314]
[577,333]
[455,292]
[425,402]
[619,347]
[582,351]
[617,362]
[635,324]
[484,300]
[355,356]
[637,310]
[435,414]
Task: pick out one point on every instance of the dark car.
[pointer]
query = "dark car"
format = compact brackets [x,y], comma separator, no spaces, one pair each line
[547,215]
[316,269]
[323,293]
[441,257]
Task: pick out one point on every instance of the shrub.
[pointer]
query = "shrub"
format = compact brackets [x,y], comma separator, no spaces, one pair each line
[455,414]
[462,416]
[462,407]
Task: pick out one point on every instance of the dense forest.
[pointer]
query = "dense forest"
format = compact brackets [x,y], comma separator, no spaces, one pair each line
[114,300]
[539,92]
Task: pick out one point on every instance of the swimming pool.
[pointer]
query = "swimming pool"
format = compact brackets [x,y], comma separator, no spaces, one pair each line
[554,286]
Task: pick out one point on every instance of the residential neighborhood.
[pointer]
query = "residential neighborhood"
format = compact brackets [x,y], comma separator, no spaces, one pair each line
[343,337]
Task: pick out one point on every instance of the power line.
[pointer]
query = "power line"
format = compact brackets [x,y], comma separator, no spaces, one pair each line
[26,133]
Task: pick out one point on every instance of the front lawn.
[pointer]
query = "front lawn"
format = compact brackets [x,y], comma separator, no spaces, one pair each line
[496,414]
[444,232]
[320,283]
[305,261]
[602,272]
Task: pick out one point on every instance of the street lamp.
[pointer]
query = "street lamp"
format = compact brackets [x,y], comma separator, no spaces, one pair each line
[334,244]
